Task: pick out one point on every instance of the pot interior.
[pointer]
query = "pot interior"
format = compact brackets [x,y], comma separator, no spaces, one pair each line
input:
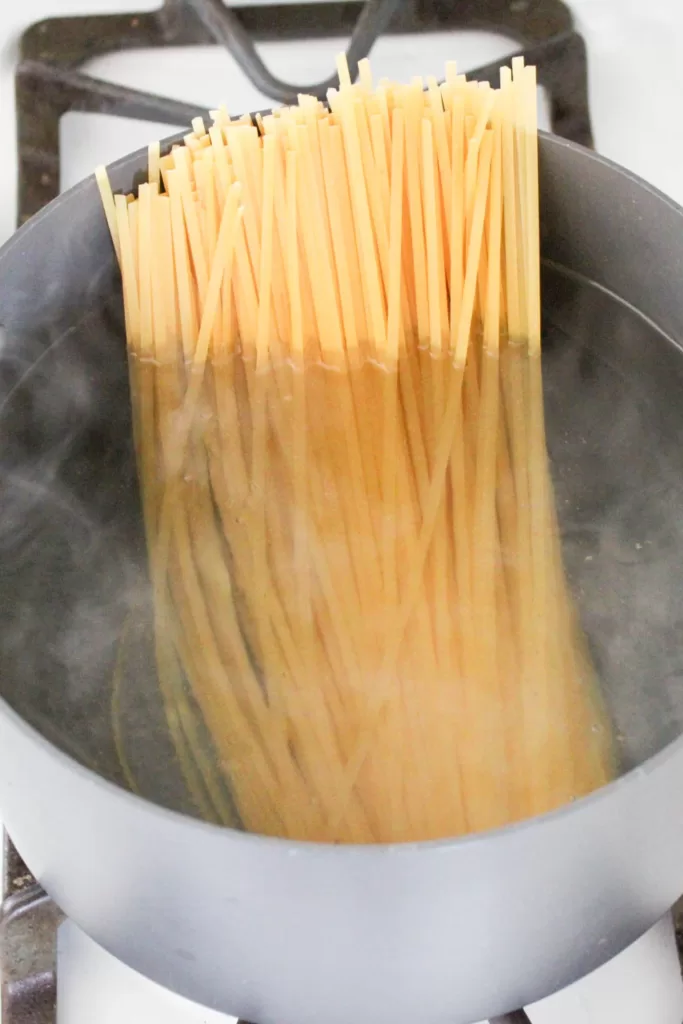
[76,651]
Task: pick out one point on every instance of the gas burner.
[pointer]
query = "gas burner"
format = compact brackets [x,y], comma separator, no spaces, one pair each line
[50,80]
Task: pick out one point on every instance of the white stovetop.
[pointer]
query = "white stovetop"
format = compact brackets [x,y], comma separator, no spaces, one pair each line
[636,81]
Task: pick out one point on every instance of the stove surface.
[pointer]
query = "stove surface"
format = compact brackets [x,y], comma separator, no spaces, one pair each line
[635,81]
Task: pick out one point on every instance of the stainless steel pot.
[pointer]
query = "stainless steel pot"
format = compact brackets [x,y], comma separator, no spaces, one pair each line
[289,933]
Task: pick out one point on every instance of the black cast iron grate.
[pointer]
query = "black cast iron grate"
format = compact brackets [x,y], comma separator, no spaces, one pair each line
[50,81]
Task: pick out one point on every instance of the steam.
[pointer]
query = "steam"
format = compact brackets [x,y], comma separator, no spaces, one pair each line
[71,549]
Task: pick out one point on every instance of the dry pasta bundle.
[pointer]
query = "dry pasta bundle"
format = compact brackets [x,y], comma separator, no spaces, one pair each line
[333,319]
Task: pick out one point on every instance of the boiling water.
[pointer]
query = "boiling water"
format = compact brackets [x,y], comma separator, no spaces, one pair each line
[75,582]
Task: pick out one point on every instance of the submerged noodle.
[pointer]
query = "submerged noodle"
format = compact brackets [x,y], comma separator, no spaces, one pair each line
[333,319]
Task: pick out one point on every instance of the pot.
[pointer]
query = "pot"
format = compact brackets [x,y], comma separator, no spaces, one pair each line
[282,932]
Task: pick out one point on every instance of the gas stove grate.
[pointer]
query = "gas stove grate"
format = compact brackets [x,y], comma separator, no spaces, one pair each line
[50,79]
